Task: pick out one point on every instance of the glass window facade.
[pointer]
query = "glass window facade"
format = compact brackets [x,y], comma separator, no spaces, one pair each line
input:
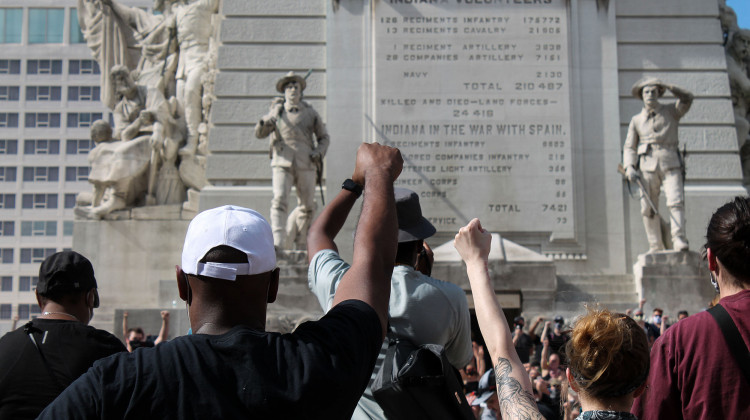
[8,119]
[7,174]
[76,37]
[5,311]
[70,201]
[41,147]
[6,284]
[9,93]
[39,201]
[11,26]
[78,147]
[46,26]
[35,255]
[44,67]
[41,174]
[39,228]
[77,173]
[42,119]
[43,93]
[10,66]
[7,201]
[7,228]
[8,147]
[68,228]
[83,67]
[6,255]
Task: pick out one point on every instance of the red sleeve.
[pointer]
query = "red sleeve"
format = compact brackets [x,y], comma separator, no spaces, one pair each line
[661,399]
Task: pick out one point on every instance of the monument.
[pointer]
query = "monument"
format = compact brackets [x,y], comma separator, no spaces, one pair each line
[512,111]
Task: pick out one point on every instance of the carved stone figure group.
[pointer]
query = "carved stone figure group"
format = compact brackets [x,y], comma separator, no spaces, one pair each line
[158,72]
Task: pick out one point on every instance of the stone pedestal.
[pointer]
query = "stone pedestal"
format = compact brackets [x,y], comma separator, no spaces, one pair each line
[673,281]
[522,278]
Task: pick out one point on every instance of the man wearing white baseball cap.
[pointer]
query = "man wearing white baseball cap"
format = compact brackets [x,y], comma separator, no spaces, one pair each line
[231,367]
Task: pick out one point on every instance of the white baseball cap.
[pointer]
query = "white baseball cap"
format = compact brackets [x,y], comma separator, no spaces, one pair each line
[237,227]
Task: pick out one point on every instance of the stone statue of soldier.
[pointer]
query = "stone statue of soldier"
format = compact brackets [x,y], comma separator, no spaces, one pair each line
[298,142]
[651,148]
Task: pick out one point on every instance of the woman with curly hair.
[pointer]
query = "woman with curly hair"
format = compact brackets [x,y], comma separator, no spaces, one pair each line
[607,354]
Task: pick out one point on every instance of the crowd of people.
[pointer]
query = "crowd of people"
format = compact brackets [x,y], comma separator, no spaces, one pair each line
[601,365]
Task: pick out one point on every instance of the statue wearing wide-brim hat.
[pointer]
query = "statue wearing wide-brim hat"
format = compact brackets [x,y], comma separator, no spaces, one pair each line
[290,77]
[648,81]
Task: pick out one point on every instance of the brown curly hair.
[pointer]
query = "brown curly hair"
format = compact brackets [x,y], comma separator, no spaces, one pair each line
[608,354]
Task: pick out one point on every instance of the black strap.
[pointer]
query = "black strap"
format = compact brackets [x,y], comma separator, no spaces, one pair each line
[734,339]
[30,329]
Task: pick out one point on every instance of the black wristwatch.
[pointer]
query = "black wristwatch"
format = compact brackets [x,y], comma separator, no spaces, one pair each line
[353,187]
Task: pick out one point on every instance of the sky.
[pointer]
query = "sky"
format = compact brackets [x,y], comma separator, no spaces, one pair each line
[742,9]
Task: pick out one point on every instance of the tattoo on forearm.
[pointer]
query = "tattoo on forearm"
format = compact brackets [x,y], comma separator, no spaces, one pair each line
[515,402]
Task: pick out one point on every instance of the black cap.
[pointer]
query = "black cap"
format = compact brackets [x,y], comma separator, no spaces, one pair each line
[66,271]
[518,319]
[559,319]
[412,226]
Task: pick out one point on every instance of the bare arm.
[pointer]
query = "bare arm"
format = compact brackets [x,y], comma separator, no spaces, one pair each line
[513,385]
[545,352]
[684,99]
[325,228]
[532,331]
[369,278]
[164,331]
[125,325]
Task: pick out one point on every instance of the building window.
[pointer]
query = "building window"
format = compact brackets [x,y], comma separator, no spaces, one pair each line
[39,228]
[41,147]
[79,147]
[7,174]
[43,93]
[77,173]
[35,255]
[70,201]
[44,67]
[11,25]
[83,67]
[27,283]
[7,201]
[46,26]
[6,284]
[41,174]
[9,93]
[23,311]
[68,228]
[7,228]
[8,119]
[5,311]
[39,201]
[35,311]
[8,147]
[82,119]
[42,119]
[10,66]
[6,255]
[76,37]
[83,93]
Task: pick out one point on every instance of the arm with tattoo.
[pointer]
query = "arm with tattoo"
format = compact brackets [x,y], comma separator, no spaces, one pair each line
[513,384]
[515,401]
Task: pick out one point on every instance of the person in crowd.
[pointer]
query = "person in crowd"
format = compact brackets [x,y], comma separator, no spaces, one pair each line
[682,315]
[557,337]
[522,341]
[693,372]
[652,333]
[608,356]
[476,367]
[422,309]
[231,367]
[40,359]
[135,337]
[486,397]
[659,320]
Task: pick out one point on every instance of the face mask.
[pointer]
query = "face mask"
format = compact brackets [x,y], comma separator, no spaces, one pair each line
[559,325]
[657,319]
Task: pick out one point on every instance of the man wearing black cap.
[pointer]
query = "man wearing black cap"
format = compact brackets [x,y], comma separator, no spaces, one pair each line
[421,309]
[40,359]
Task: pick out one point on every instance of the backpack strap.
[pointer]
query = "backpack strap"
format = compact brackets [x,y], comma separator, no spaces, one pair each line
[30,329]
[734,339]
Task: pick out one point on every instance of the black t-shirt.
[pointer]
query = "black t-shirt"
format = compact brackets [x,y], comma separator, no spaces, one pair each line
[318,371]
[70,349]
[523,348]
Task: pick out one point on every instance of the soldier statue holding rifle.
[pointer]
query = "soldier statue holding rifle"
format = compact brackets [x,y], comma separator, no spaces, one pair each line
[298,142]
[652,159]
